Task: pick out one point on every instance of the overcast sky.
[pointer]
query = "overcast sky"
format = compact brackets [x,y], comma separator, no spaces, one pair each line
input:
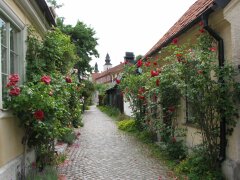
[124,25]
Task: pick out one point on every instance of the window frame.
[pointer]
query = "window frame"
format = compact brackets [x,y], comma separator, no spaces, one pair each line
[11,20]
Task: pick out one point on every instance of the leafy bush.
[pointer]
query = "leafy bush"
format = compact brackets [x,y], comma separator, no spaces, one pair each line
[127,125]
[197,166]
[69,137]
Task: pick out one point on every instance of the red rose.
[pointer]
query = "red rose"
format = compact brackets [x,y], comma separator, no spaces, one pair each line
[154,73]
[46,79]
[155,63]
[141,90]
[201,30]
[147,64]
[14,91]
[139,63]
[118,81]
[175,41]
[213,49]
[11,83]
[68,79]
[157,82]
[39,114]
[141,97]
[14,78]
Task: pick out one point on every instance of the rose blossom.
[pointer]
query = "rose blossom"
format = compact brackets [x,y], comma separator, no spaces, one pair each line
[46,79]
[68,79]
[14,78]
[14,91]
[39,114]
[11,83]
[118,81]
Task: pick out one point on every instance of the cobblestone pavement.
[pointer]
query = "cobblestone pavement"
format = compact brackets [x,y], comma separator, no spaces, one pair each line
[102,152]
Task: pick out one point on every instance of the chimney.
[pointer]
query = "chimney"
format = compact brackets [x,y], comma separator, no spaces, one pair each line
[129,57]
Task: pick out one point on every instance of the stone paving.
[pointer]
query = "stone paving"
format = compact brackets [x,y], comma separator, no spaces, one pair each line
[102,152]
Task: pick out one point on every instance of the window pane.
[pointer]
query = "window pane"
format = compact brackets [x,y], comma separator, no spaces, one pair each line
[3,32]
[13,39]
[4,85]
[13,63]
[4,59]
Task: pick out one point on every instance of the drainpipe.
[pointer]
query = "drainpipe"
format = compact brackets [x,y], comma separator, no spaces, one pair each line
[217,37]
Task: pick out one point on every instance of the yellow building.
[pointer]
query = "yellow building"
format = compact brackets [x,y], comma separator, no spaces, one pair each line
[15,17]
[222,21]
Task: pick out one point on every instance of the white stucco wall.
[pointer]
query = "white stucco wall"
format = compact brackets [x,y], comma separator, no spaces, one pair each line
[127,108]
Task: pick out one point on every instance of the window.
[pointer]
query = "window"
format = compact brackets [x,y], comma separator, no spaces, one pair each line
[9,54]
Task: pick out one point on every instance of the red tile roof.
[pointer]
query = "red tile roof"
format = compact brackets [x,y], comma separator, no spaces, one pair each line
[195,11]
[115,69]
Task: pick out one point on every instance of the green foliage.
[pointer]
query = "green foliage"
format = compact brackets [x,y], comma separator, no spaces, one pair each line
[68,137]
[54,53]
[197,166]
[101,88]
[155,87]
[127,125]
[110,111]
[48,104]
[85,42]
[55,101]
[49,173]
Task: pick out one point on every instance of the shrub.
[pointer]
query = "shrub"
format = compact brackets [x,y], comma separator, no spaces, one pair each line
[127,125]
[197,166]
[69,137]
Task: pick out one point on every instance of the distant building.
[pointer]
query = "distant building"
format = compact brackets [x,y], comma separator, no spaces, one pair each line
[109,76]
[107,64]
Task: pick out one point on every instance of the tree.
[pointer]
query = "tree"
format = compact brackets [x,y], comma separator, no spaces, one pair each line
[83,38]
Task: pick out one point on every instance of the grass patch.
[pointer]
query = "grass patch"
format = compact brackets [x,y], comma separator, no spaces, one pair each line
[110,111]
[49,173]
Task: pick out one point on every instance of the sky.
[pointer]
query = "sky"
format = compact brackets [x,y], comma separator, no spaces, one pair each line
[124,25]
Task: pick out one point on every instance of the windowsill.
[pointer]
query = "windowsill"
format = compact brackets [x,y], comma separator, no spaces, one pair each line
[5,113]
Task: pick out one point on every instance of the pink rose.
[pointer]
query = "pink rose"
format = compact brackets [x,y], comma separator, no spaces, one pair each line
[46,79]
[14,91]
[14,78]
[11,83]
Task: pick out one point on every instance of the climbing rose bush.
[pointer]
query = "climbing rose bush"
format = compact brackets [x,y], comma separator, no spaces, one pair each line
[47,109]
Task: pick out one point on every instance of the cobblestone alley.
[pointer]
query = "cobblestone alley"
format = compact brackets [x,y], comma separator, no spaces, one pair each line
[103,152]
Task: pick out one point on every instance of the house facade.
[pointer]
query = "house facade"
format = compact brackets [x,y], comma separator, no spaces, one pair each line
[15,17]
[221,19]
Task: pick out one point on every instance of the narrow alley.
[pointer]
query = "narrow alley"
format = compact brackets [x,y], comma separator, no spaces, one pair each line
[103,152]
